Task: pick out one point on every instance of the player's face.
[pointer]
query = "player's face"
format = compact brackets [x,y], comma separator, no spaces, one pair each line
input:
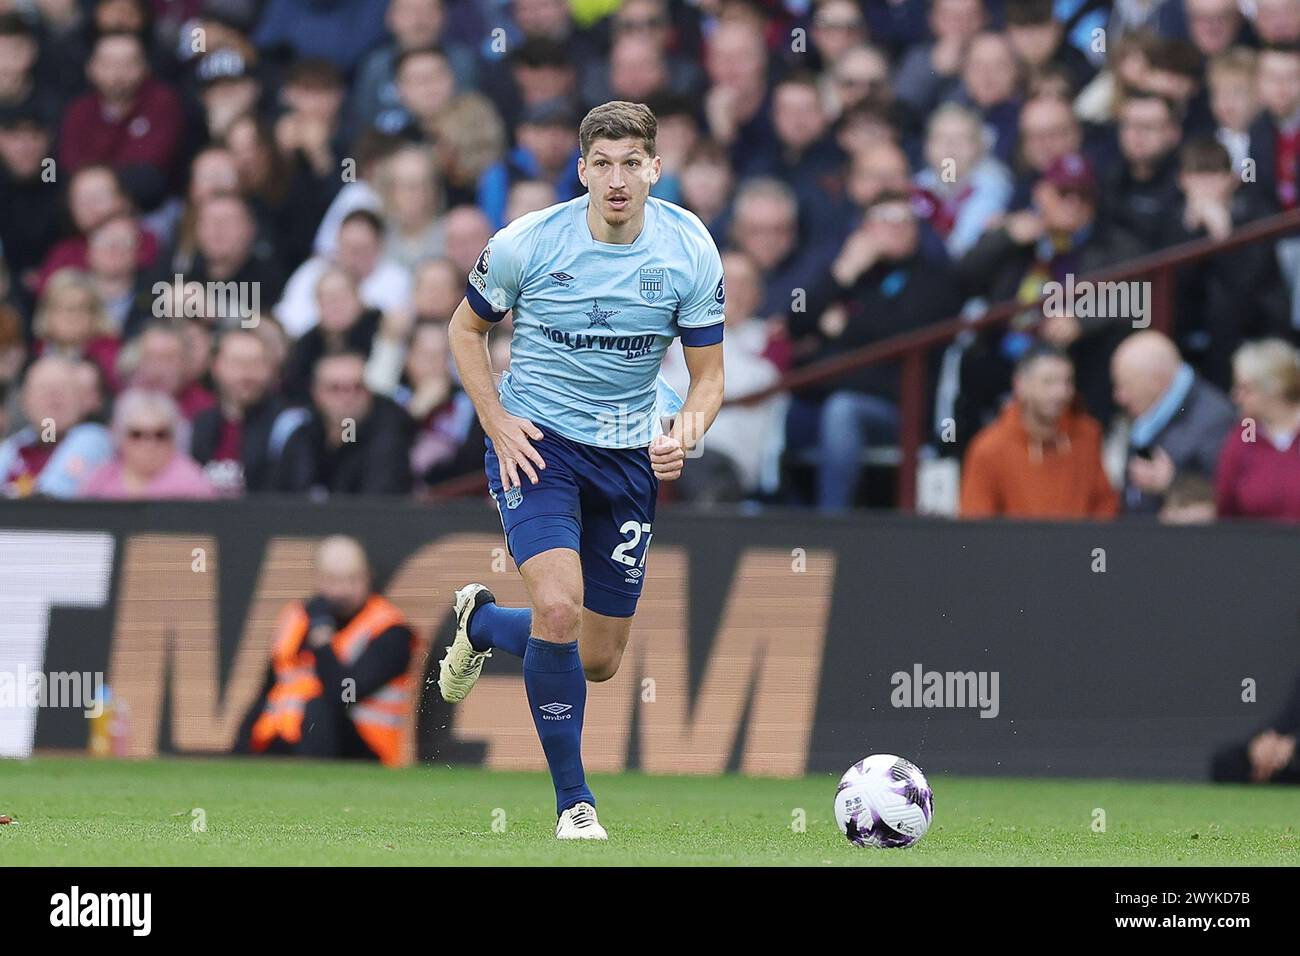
[618,173]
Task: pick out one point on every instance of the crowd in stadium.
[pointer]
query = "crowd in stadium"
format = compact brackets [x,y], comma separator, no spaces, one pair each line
[234,232]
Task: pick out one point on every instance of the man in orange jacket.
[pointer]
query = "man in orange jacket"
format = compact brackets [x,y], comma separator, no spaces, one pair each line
[337,684]
[1041,458]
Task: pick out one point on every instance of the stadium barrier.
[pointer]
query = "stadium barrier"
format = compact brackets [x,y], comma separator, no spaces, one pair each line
[775,645]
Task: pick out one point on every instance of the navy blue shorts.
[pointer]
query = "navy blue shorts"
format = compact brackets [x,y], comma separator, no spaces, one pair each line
[599,502]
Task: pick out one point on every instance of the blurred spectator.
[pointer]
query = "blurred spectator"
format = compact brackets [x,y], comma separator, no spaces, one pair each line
[58,448]
[27,230]
[1038,40]
[1277,22]
[1189,501]
[370,151]
[237,440]
[1056,238]
[345,637]
[1178,421]
[1234,102]
[1259,467]
[21,92]
[112,259]
[286,194]
[381,283]
[929,72]
[651,21]
[1275,134]
[228,89]
[1049,130]
[1143,187]
[967,188]
[213,172]
[147,462]
[354,442]
[448,439]
[468,231]
[791,254]
[439,287]
[879,286]
[71,322]
[95,196]
[538,71]
[412,205]
[1235,295]
[470,138]
[340,31]
[739,442]
[1269,756]
[990,85]
[156,361]
[426,87]
[129,120]
[805,155]
[413,25]
[229,251]
[1215,25]
[736,105]
[529,195]
[345,323]
[547,150]
[707,183]
[838,26]
[1041,458]
[859,76]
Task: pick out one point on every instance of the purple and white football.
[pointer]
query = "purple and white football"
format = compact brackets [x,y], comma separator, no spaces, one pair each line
[884,801]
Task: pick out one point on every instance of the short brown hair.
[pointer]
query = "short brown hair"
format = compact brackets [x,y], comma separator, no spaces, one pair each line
[619,119]
[1204,155]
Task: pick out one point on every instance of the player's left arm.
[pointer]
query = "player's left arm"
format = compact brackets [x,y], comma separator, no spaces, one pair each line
[700,320]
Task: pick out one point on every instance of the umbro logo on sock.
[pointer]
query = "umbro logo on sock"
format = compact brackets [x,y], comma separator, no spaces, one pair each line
[556,711]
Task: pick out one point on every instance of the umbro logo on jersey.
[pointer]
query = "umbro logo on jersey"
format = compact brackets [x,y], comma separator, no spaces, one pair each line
[563,278]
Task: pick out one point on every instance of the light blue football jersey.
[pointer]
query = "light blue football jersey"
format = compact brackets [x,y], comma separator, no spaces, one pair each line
[592,319]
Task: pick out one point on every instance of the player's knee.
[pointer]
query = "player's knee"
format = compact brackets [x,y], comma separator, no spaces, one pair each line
[557,618]
[601,668]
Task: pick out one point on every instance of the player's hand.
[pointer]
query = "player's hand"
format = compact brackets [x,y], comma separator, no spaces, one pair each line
[511,438]
[667,458]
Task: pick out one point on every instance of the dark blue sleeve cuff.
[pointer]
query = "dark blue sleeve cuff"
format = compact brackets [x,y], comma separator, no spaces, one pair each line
[481,306]
[699,337]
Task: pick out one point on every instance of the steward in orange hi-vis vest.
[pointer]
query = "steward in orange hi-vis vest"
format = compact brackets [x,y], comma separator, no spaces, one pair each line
[310,709]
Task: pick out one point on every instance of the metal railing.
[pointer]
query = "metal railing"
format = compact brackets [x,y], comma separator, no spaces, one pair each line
[910,348]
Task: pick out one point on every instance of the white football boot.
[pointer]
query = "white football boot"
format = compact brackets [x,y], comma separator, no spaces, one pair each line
[579,823]
[461,665]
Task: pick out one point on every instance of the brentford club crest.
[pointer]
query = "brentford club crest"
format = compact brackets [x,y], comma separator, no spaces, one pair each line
[652,284]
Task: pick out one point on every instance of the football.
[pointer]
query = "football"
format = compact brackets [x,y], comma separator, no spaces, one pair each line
[884,801]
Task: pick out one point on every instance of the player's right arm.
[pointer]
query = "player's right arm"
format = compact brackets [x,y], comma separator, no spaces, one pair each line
[510,434]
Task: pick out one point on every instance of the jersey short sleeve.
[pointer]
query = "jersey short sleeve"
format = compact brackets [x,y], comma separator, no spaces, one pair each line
[494,282]
[701,313]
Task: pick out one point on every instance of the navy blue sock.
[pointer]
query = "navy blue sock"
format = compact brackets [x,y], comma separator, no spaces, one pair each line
[505,627]
[557,698]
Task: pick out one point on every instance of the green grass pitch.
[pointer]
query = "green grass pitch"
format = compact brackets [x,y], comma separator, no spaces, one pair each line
[77,811]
